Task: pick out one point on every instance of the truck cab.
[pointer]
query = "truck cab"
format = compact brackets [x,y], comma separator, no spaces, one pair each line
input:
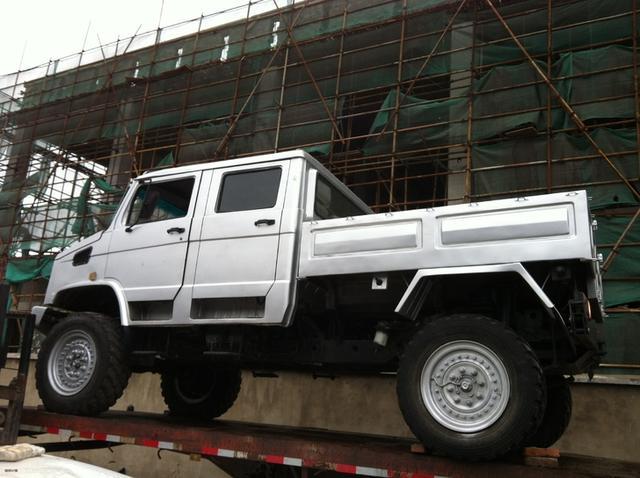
[206,244]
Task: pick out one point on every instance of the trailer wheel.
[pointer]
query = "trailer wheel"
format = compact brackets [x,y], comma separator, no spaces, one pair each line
[470,387]
[557,414]
[83,365]
[194,393]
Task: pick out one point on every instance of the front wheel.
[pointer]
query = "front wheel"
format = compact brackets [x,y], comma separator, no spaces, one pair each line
[195,391]
[469,387]
[83,366]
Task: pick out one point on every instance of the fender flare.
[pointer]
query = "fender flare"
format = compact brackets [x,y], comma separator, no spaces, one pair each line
[417,291]
[41,311]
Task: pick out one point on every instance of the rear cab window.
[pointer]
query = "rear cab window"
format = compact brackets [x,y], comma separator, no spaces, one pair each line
[330,202]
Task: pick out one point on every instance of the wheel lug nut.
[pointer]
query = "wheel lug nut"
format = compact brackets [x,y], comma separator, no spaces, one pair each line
[457,399]
[469,403]
[462,371]
[450,388]
[474,373]
[480,396]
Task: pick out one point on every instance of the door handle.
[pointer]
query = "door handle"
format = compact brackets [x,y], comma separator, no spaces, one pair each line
[265,222]
[179,230]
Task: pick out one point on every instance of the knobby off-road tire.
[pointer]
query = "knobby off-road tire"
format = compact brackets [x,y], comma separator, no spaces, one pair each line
[557,414]
[83,365]
[194,391]
[470,388]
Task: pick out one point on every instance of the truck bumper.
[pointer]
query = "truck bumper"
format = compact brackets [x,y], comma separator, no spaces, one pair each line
[39,311]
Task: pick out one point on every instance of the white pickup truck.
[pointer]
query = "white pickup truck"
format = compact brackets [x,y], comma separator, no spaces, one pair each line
[270,262]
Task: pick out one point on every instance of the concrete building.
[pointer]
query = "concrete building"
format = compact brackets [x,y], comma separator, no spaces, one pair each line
[412,104]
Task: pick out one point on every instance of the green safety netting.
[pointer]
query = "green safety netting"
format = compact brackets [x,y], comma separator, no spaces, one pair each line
[503,91]
[443,122]
[198,142]
[23,270]
[607,91]
[619,289]
[506,98]
[510,98]
[621,337]
[574,31]
[89,215]
[39,229]
[166,162]
[573,28]
[221,44]
[528,160]
[11,196]
[598,83]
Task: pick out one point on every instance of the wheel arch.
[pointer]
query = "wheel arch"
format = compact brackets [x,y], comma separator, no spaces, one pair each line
[104,297]
[418,290]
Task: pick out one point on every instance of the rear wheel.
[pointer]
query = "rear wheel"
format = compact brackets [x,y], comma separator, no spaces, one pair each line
[83,366]
[470,387]
[557,414]
[202,394]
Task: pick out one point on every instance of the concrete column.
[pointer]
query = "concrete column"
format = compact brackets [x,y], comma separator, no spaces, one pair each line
[121,162]
[460,83]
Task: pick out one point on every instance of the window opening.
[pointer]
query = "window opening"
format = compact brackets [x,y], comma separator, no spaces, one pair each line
[161,201]
[330,202]
[248,190]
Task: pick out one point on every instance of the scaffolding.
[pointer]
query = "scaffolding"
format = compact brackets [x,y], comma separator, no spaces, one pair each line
[412,104]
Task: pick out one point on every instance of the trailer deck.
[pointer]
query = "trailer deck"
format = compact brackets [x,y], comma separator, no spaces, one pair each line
[237,445]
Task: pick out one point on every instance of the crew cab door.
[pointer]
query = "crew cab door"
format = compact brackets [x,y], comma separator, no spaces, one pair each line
[239,245]
[150,238]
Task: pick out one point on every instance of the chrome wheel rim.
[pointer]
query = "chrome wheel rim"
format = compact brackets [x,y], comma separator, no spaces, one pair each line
[465,386]
[72,362]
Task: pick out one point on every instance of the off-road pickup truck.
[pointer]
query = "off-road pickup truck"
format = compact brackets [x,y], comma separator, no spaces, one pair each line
[270,262]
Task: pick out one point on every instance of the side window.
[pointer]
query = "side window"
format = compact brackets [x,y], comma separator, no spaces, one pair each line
[247,190]
[330,202]
[161,201]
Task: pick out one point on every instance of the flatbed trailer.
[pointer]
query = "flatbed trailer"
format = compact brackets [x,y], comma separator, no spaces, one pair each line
[249,449]
[246,449]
